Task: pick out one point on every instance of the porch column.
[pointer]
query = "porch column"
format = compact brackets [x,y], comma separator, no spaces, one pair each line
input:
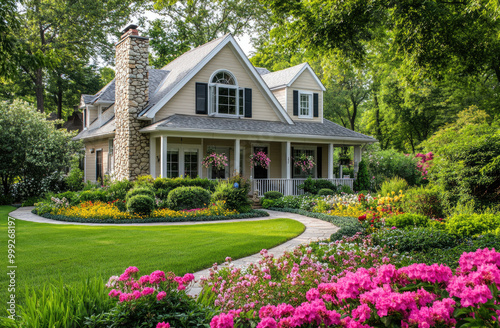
[288,163]
[330,161]
[163,158]
[152,156]
[357,159]
[237,156]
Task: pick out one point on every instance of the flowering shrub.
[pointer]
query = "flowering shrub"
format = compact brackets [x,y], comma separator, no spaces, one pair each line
[219,161]
[104,211]
[418,295]
[423,163]
[289,278]
[304,162]
[155,300]
[260,159]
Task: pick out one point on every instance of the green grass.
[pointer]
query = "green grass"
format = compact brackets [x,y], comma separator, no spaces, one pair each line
[46,253]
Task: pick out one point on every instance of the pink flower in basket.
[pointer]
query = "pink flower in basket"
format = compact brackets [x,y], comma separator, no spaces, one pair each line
[260,159]
[305,163]
[219,161]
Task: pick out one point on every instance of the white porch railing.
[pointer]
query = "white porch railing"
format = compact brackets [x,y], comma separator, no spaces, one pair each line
[290,186]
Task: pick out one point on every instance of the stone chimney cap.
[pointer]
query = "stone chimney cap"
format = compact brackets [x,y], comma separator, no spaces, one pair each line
[129,27]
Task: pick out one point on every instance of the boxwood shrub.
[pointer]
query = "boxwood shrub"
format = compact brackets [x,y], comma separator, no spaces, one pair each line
[418,239]
[407,220]
[187,198]
[168,185]
[466,225]
[93,195]
[272,194]
[140,204]
[140,191]
[326,192]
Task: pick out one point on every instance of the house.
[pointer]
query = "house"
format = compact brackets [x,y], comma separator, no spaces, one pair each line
[211,99]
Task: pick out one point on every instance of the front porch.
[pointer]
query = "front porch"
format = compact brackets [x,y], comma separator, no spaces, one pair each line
[174,156]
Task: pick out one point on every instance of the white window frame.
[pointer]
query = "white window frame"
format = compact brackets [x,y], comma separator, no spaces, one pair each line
[311,105]
[215,111]
[111,156]
[181,149]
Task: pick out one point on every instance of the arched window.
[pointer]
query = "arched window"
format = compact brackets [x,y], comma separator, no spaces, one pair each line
[225,97]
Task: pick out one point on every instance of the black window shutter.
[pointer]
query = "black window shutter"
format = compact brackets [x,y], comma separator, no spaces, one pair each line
[201,98]
[248,102]
[295,102]
[315,105]
[319,161]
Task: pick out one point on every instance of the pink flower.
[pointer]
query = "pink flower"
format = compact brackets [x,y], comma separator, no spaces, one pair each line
[222,321]
[267,323]
[148,291]
[188,277]
[161,295]
[156,277]
[114,293]
[163,325]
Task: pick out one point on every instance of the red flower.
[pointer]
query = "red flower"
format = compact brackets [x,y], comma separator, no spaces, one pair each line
[362,217]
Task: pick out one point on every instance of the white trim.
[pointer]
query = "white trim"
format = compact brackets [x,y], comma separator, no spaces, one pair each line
[152,156]
[330,161]
[163,156]
[237,154]
[228,39]
[311,104]
[225,71]
[306,66]
[252,150]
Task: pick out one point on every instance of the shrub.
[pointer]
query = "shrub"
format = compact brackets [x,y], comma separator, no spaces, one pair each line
[393,185]
[234,198]
[140,204]
[387,164]
[362,181]
[30,201]
[418,239]
[288,202]
[273,195]
[6,199]
[162,193]
[74,179]
[186,198]
[313,186]
[72,197]
[95,195]
[423,200]
[407,220]
[118,189]
[267,203]
[145,181]
[346,189]
[140,191]
[465,225]
[168,185]
[326,192]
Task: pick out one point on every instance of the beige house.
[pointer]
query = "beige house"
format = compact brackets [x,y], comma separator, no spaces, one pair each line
[163,122]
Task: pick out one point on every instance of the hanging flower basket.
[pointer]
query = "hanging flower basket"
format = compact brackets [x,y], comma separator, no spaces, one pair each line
[260,159]
[305,163]
[219,161]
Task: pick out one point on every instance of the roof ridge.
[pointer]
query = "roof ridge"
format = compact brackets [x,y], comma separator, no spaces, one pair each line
[288,68]
[198,47]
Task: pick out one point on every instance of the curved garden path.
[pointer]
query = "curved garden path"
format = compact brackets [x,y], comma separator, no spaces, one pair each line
[314,230]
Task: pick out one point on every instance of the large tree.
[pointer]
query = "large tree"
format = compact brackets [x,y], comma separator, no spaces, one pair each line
[186,24]
[57,34]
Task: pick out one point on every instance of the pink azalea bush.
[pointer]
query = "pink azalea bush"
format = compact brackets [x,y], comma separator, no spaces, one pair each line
[424,162]
[382,295]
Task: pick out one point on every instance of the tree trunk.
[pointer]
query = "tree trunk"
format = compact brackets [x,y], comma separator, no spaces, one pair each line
[59,98]
[39,88]
[377,118]
[352,118]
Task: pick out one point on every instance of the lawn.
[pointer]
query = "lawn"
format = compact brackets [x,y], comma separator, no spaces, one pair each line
[47,253]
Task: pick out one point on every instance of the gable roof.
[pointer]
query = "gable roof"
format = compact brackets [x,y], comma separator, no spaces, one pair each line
[286,77]
[232,126]
[185,67]
[107,93]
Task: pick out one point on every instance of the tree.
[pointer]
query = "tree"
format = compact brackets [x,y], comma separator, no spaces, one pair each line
[187,24]
[33,152]
[52,34]
[8,22]
[466,165]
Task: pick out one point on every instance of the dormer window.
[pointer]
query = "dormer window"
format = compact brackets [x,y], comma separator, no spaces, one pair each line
[225,97]
[305,103]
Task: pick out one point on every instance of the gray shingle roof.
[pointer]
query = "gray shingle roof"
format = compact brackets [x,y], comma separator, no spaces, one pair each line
[107,93]
[283,77]
[254,127]
[106,129]
[179,68]
[262,70]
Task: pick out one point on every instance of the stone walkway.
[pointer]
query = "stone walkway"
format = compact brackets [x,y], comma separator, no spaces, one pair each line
[315,230]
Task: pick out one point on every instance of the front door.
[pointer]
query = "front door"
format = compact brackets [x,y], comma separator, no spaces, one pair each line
[258,171]
[98,165]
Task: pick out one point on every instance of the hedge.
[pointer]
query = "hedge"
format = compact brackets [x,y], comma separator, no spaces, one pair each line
[348,226]
[248,215]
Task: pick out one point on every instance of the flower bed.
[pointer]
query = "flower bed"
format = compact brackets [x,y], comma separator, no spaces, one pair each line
[99,212]
[353,284]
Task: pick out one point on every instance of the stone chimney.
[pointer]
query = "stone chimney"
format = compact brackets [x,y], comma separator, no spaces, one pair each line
[131,96]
